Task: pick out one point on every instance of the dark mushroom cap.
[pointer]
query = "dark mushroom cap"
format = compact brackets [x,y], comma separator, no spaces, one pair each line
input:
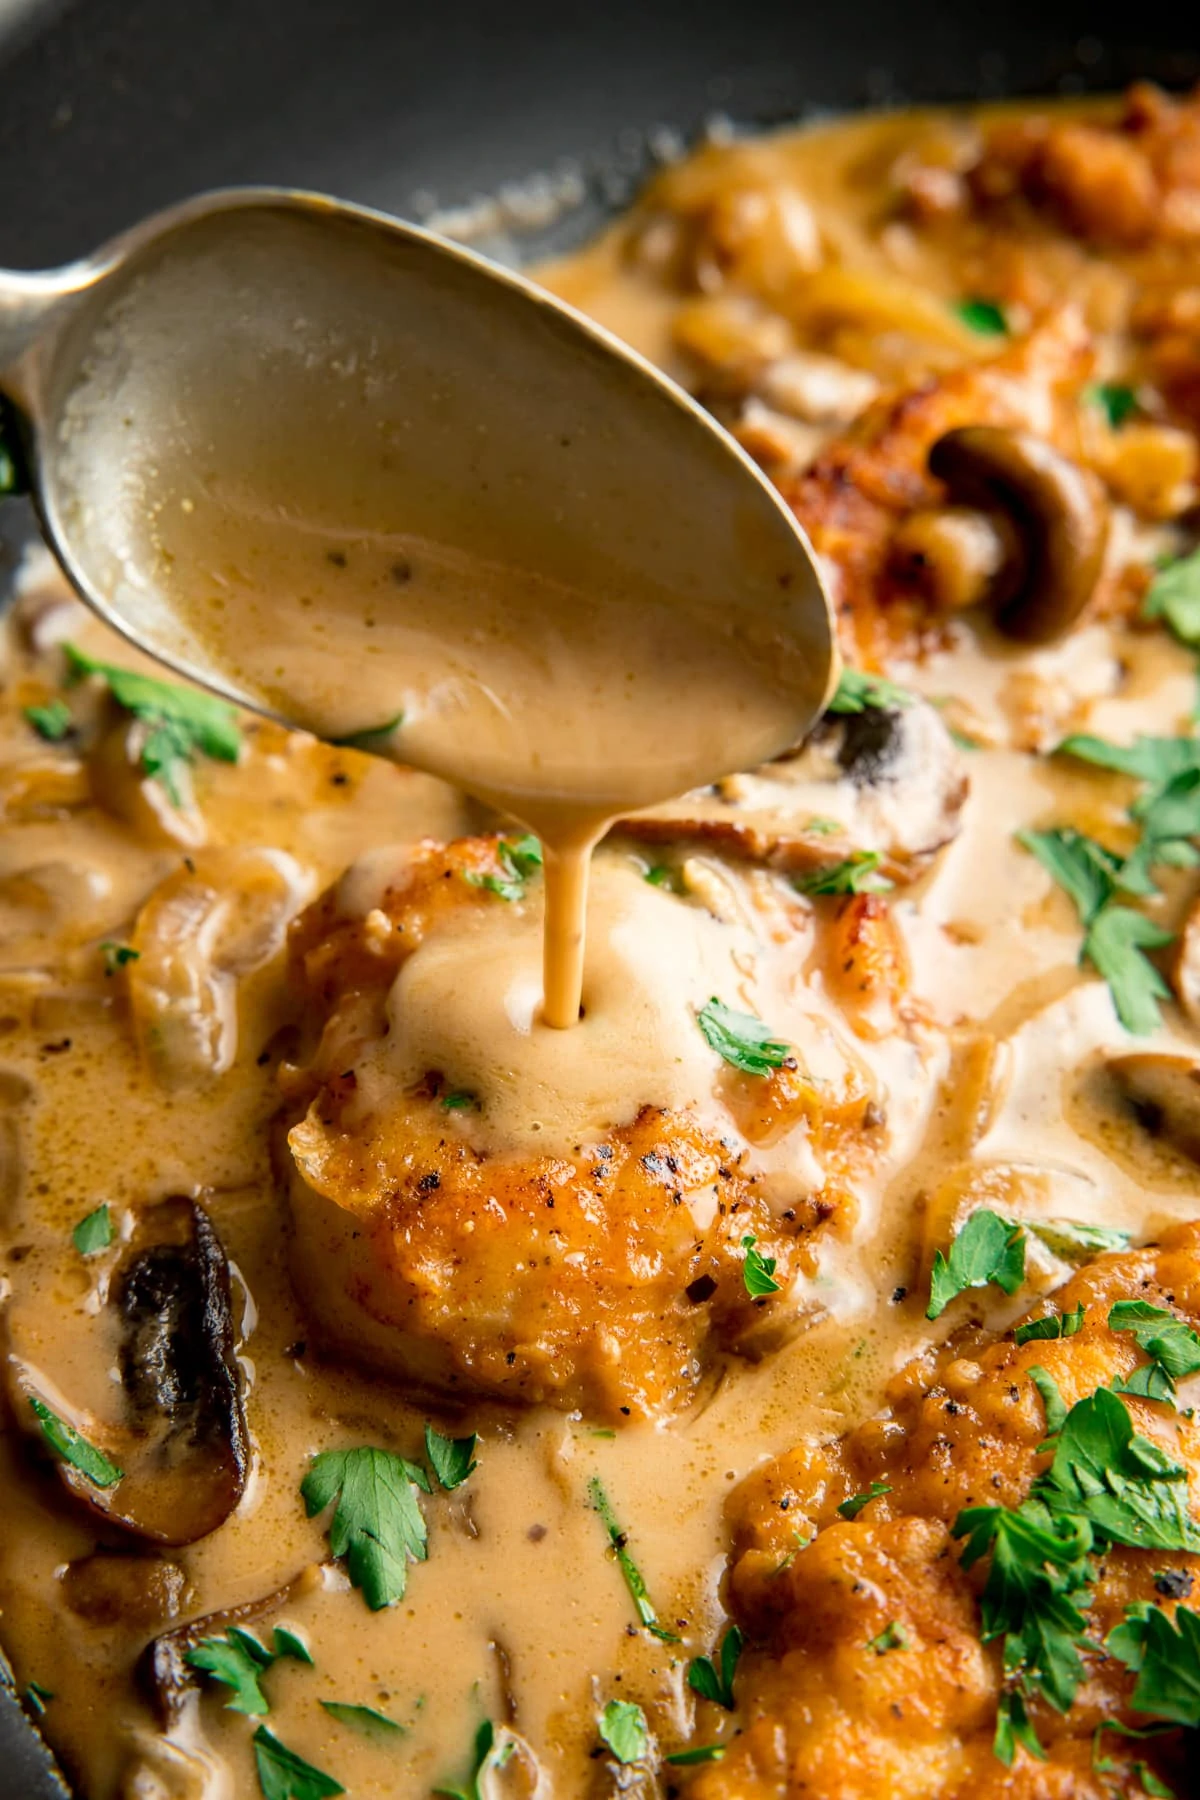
[1059,512]
[183,1448]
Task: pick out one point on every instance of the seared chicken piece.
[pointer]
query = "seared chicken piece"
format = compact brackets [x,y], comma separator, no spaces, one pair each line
[871,1679]
[605,1275]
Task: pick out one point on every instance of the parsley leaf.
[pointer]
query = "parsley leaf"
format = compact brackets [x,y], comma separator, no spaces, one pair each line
[1174,595]
[1075,1242]
[366,1719]
[1052,1400]
[1114,400]
[1115,943]
[486,1755]
[372,737]
[758,1271]
[988,1249]
[662,875]
[182,720]
[1053,1325]
[282,1775]
[377,1525]
[714,1681]
[1172,1346]
[1165,1656]
[231,1660]
[857,874]
[741,1039]
[850,1509]
[52,721]
[859,692]
[623,1729]
[633,1576]
[451,1459]
[519,858]
[983,316]
[93,1233]
[117,955]
[892,1637]
[289,1643]
[699,1753]
[1154,759]
[1013,1727]
[74,1449]
[1081,866]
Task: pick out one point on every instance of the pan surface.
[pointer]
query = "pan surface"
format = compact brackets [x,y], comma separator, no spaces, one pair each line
[111,109]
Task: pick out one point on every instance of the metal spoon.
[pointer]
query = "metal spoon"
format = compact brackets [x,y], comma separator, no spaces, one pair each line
[326,374]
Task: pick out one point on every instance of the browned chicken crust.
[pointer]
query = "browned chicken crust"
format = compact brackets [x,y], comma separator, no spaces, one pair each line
[830,1718]
[581,1280]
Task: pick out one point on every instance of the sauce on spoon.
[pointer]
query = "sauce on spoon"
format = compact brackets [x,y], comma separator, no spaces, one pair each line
[403,495]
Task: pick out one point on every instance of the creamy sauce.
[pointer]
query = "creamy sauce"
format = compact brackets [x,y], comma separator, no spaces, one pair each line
[429,509]
[520,1613]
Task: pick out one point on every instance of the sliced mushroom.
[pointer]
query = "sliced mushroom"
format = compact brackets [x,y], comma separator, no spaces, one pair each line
[182,1446]
[213,920]
[887,779]
[109,1589]
[1164,1092]
[168,1679]
[1056,510]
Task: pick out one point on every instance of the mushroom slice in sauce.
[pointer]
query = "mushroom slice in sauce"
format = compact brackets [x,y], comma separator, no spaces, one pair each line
[1164,1092]
[890,779]
[1057,525]
[182,1447]
[163,1671]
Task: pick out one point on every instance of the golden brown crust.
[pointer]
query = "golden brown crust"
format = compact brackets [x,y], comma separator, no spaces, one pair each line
[608,1278]
[827,1715]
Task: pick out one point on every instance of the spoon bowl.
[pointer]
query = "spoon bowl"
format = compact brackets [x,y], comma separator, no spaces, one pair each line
[273,436]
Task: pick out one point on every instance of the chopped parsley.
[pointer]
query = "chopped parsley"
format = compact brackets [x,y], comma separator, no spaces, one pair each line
[52,721]
[451,1459]
[623,1730]
[850,1509]
[857,874]
[372,738]
[117,955]
[367,1719]
[71,1447]
[93,1233]
[1053,1325]
[36,1697]
[1172,1346]
[1108,1765]
[988,1250]
[238,1661]
[758,1271]
[283,1775]
[714,1680]
[662,875]
[182,721]
[983,316]
[486,1755]
[741,1039]
[892,1637]
[859,692]
[1174,595]
[638,1591]
[1105,1485]
[519,858]
[1075,1242]
[1115,937]
[459,1101]
[819,826]
[1164,1654]
[699,1753]
[377,1524]
[1113,399]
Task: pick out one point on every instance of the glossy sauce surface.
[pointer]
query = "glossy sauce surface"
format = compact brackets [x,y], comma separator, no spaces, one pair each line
[986,1083]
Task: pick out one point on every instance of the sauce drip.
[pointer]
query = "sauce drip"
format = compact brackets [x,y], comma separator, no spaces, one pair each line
[436,512]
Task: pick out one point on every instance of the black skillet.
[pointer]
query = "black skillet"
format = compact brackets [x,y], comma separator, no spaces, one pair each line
[109,110]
